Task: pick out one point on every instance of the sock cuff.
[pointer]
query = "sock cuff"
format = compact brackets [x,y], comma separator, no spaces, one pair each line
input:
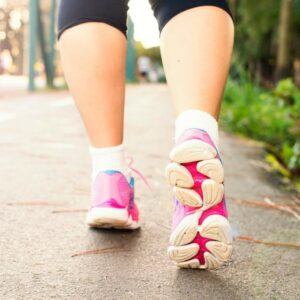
[109,158]
[195,118]
[95,150]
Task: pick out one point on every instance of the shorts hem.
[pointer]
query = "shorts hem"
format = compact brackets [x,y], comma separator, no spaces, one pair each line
[173,13]
[123,29]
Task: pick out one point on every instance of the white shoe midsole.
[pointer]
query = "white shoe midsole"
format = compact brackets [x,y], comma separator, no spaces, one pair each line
[110,217]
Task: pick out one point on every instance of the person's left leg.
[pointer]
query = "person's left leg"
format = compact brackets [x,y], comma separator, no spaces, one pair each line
[196,46]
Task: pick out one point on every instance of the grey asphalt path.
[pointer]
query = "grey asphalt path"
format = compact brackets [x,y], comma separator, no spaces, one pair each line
[45,176]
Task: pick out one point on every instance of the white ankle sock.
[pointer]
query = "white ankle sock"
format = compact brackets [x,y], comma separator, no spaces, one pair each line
[108,158]
[195,118]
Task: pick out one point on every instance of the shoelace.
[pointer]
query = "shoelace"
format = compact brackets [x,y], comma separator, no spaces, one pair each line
[130,161]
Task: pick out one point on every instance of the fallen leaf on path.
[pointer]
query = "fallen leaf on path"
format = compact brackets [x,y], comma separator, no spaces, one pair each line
[69,210]
[282,197]
[268,204]
[99,251]
[283,208]
[262,204]
[33,203]
[250,239]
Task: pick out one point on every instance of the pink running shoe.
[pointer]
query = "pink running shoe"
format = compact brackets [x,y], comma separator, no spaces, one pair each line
[113,203]
[201,235]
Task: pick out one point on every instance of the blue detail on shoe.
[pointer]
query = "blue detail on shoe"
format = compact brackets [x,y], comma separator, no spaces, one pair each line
[111,172]
[131,182]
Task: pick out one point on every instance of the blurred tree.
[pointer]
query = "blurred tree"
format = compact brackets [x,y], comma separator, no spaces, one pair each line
[267,40]
[12,29]
[255,46]
[283,62]
[130,53]
[296,42]
[42,36]
[233,6]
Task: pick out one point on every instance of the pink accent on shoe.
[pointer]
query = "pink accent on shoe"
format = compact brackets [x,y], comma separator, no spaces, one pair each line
[180,211]
[111,187]
[198,177]
[113,193]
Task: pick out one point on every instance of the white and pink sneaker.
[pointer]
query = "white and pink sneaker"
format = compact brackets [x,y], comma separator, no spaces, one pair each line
[113,203]
[201,235]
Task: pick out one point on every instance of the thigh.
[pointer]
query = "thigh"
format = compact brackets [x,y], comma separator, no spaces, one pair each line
[75,12]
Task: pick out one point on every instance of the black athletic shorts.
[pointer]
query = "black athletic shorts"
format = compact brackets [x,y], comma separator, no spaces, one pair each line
[114,12]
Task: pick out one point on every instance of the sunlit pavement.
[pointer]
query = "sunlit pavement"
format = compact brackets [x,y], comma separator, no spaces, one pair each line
[44,192]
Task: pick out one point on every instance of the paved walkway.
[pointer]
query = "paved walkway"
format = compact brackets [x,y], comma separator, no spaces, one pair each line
[45,177]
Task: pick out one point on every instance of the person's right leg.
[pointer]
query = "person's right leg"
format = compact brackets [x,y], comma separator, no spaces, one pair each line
[92,41]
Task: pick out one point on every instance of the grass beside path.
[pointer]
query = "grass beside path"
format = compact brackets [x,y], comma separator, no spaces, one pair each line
[272,117]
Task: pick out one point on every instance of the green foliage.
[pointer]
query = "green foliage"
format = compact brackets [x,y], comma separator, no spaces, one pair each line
[272,117]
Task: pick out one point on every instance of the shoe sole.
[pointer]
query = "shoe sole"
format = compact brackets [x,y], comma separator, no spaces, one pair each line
[215,227]
[106,217]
